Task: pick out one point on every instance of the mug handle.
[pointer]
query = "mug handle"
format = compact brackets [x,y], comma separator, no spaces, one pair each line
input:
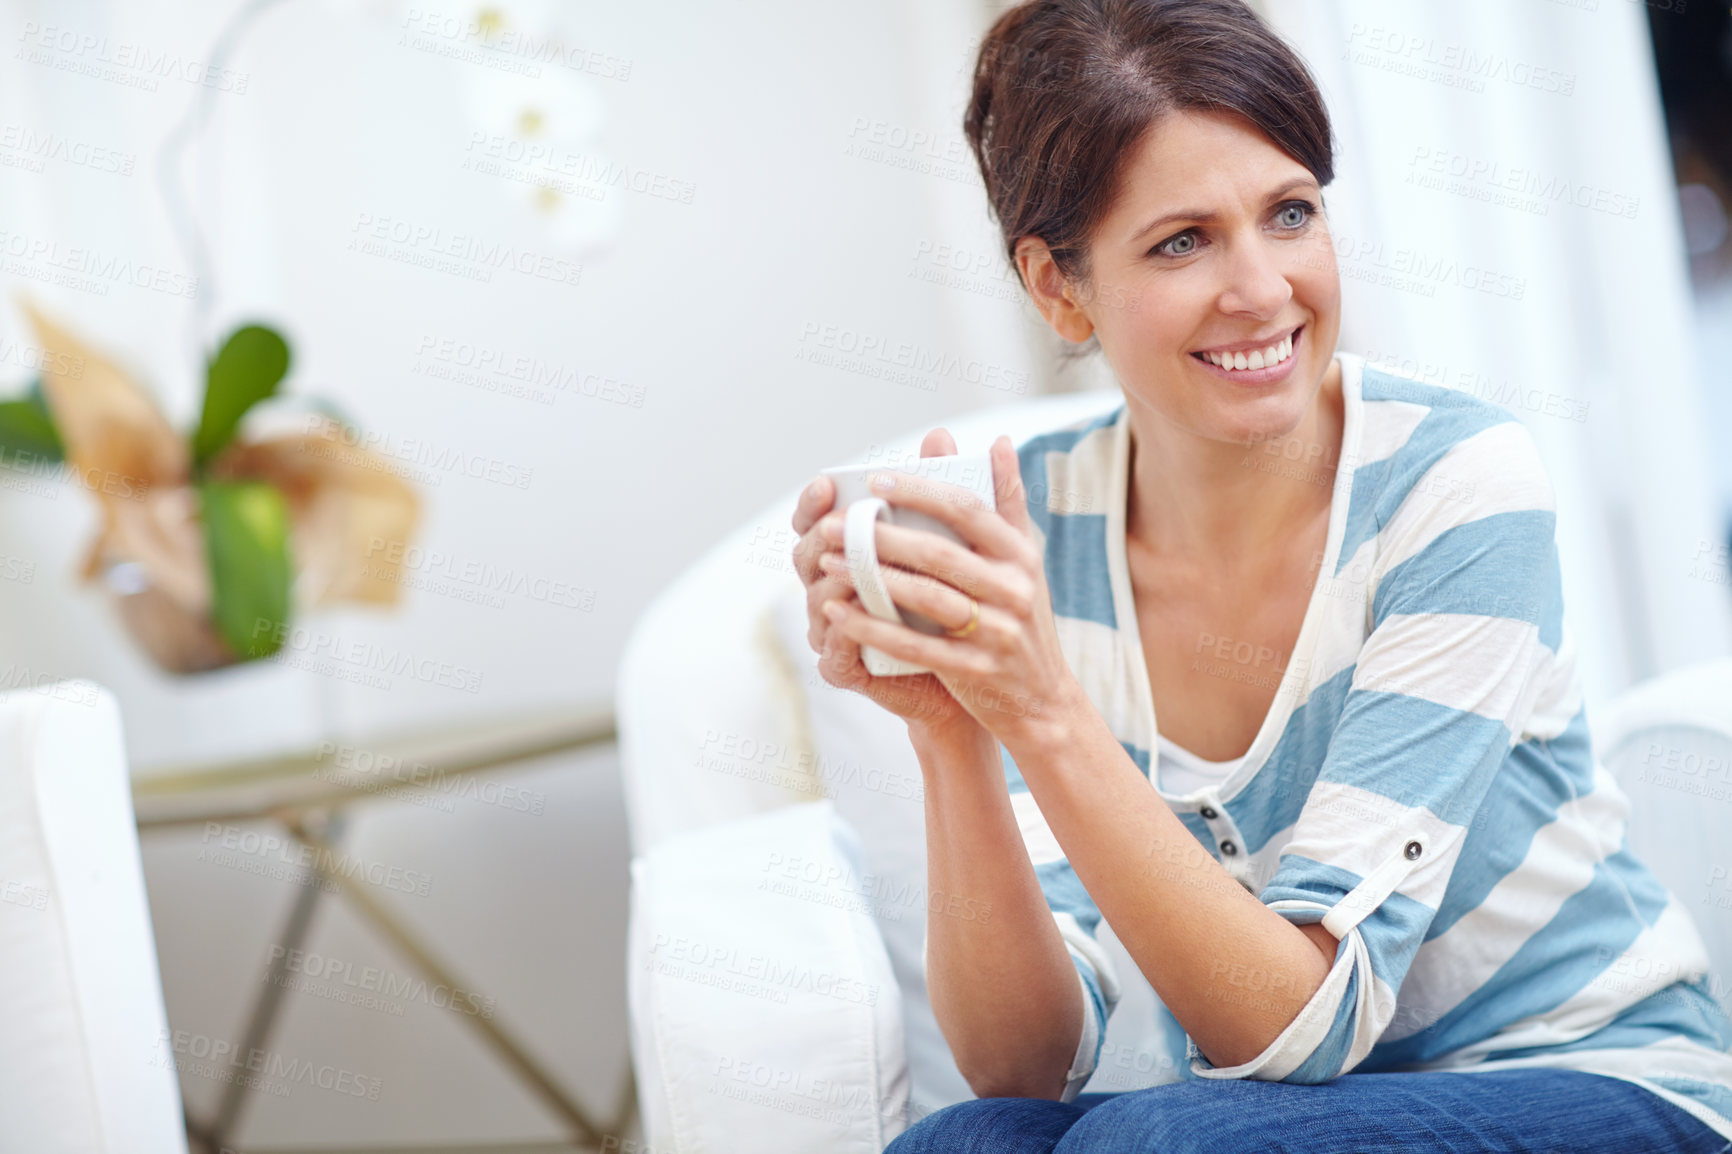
[860,546]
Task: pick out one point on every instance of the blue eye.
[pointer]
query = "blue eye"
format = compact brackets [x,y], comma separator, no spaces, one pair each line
[1185,243]
[1173,247]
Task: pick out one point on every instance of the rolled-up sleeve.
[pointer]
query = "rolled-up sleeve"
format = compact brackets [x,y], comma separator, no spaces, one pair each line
[1466,620]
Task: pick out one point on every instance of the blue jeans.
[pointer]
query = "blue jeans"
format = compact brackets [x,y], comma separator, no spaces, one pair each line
[1527,1111]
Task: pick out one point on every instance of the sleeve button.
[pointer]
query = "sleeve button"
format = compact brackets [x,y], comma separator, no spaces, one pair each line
[1413,850]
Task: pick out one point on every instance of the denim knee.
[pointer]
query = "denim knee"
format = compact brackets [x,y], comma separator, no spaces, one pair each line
[1172,1119]
[990,1126]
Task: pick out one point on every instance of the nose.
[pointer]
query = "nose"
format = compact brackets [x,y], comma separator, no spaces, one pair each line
[1256,284]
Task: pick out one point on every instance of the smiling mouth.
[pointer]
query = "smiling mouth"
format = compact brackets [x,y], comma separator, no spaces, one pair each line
[1272,356]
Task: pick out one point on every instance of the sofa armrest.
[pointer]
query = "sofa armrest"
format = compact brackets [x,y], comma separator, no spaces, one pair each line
[762,1001]
[85,1060]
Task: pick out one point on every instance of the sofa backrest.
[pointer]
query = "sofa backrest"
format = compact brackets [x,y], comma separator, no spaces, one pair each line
[1668,742]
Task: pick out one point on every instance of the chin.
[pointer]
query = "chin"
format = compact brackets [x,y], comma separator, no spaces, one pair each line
[1274,418]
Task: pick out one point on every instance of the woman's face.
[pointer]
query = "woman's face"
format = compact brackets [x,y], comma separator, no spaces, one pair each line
[1216,244]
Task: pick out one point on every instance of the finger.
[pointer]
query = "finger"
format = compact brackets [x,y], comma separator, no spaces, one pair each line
[1007,484]
[941,655]
[920,592]
[961,509]
[815,500]
[839,661]
[934,599]
[828,586]
[806,552]
[834,577]
[937,558]
[825,533]
[938,443]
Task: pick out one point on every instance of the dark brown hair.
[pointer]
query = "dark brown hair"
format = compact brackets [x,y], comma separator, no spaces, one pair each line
[1064,90]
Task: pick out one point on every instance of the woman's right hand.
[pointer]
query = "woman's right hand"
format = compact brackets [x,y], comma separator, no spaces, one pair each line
[919,699]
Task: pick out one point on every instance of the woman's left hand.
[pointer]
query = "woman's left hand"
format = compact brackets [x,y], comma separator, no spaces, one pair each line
[1009,672]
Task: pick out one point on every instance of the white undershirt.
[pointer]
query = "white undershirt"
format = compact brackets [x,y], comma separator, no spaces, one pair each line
[1182,772]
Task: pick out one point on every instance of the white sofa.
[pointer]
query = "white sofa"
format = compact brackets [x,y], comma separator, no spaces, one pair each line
[85,1059]
[778,875]
[1669,743]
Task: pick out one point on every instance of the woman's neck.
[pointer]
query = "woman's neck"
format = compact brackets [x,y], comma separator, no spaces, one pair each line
[1213,501]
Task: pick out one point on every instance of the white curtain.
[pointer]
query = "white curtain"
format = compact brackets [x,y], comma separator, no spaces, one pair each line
[1506,222]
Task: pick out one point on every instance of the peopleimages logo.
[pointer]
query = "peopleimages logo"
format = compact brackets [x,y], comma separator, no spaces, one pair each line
[366,766]
[136,65]
[325,976]
[40,258]
[520,49]
[288,851]
[36,147]
[391,559]
[463,254]
[904,362]
[328,652]
[39,360]
[525,369]
[224,1061]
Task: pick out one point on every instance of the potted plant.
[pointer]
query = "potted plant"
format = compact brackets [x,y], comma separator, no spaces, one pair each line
[210,541]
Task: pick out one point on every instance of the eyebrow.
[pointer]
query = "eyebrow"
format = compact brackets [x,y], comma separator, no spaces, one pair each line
[1207,217]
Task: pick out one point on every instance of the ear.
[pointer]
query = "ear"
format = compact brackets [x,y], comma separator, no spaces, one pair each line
[1053,294]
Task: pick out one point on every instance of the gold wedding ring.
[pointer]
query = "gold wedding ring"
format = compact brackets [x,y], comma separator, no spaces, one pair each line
[960,632]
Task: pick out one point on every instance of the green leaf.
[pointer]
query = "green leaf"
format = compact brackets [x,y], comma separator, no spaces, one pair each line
[246,532]
[245,371]
[26,426]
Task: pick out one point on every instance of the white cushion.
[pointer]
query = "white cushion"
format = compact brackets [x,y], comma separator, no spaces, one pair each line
[85,1058]
[764,1011]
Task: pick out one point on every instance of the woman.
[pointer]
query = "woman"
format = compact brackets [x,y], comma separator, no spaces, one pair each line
[1378,846]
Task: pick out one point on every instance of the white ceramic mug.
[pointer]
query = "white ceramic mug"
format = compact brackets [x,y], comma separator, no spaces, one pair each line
[864,509]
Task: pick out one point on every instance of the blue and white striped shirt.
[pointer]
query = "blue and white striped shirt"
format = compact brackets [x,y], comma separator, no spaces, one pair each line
[1423,784]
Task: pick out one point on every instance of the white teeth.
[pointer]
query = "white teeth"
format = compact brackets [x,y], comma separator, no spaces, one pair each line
[1259,359]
